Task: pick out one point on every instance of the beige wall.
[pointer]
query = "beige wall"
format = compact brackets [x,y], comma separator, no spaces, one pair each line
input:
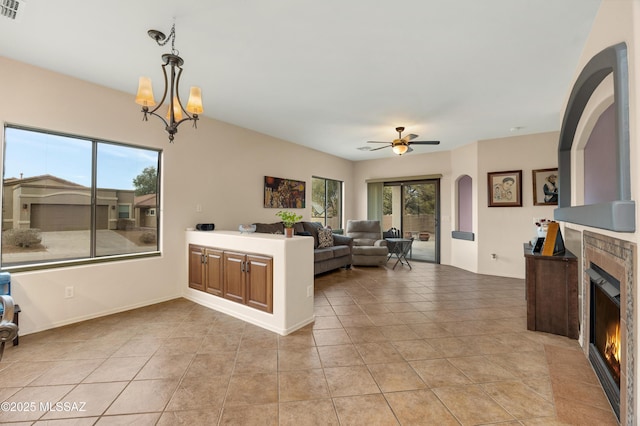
[464,254]
[219,166]
[503,230]
[617,21]
[498,230]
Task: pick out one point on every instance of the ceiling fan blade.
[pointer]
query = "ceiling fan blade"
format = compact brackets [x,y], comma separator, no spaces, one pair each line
[382,147]
[409,137]
[377,142]
[424,143]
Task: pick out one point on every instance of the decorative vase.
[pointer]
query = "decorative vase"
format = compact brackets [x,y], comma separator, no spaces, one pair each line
[288,232]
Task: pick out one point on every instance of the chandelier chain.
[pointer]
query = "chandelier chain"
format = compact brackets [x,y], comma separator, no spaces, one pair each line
[172,37]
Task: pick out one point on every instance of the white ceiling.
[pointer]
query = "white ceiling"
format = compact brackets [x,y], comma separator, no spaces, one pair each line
[329,74]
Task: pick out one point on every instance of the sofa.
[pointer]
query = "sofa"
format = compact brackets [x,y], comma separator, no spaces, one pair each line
[336,255]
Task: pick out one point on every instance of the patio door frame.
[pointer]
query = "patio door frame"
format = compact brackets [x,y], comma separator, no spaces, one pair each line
[423,180]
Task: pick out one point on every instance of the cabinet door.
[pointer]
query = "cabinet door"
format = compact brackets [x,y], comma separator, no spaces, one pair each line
[260,282]
[213,269]
[234,277]
[196,267]
[552,293]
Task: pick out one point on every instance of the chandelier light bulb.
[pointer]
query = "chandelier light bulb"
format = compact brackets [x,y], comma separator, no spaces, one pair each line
[145,92]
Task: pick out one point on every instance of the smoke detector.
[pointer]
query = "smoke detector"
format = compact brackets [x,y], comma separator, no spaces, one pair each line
[12,9]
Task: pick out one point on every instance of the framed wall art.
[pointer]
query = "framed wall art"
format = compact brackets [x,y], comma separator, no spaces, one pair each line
[545,187]
[505,188]
[283,193]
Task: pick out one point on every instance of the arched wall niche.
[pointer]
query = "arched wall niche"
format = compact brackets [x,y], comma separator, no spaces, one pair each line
[619,214]
[601,99]
[464,209]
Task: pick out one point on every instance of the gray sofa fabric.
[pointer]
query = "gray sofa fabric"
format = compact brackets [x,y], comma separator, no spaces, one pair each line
[324,259]
[369,249]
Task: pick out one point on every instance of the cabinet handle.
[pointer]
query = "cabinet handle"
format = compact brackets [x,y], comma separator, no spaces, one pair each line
[246,267]
[202,258]
[242,266]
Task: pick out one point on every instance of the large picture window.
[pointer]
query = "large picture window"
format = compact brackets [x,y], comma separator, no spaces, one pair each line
[326,200]
[67,198]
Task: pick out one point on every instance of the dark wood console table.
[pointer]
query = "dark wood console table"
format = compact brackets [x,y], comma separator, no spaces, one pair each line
[552,293]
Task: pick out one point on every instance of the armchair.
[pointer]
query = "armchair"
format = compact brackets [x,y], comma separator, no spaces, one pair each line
[369,248]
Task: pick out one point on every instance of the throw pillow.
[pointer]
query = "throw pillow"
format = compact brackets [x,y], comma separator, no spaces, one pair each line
[325,238]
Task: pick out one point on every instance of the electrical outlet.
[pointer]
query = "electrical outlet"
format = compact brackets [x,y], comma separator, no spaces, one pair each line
[309,291]
[198,208]
[68,292]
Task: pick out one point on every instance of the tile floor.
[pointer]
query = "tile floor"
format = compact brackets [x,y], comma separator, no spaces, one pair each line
[430,346]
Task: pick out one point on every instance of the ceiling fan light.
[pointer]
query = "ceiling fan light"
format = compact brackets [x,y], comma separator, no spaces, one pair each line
[400,149]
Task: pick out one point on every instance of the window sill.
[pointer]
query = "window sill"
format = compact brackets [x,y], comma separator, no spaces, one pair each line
[78,262]
[460,235]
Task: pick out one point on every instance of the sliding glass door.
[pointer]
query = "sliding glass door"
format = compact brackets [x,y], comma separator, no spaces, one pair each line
[413,207]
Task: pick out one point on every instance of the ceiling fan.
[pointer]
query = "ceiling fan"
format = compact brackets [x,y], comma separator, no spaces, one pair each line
[401,145]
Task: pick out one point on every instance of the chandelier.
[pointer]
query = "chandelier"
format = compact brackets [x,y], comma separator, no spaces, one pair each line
[176,113]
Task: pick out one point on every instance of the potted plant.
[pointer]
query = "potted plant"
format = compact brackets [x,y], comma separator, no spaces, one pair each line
[288,219]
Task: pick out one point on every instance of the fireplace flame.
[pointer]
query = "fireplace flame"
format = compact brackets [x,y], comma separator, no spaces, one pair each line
[612,348]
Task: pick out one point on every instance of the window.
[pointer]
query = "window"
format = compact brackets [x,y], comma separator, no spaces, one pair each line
[67,198]
[326,202]
[124,211]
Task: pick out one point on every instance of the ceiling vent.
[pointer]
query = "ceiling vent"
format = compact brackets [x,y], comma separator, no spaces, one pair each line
[12,9]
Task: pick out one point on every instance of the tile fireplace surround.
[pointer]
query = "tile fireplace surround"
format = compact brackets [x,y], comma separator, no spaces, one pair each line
[617,257]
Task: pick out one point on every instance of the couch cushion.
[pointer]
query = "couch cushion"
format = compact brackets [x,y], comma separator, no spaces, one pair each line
[270,228]
[339,251]
[322,254]
[313,227]
[364,229]
[325,238]
[364,241]
[370,250]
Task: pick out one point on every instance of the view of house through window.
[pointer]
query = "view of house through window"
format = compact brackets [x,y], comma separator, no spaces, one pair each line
[326,202]
[71,198]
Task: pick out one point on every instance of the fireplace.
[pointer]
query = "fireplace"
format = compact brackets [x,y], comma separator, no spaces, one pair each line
[608,294]
[604,339]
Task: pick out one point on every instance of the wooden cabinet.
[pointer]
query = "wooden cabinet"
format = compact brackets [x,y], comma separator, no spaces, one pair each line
[241,277]
[213,271]
[552,293]
[196,267]
[259,274]
[234,277]
[248,279]
[205,269]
